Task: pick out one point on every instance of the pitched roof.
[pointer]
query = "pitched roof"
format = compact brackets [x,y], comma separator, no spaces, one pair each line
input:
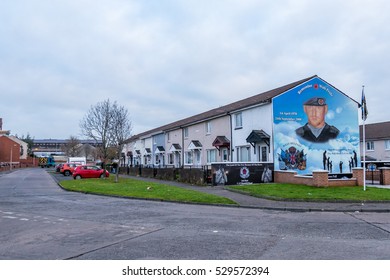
[195,144]
[260,98]
[221,141]
[376,131]
[257,136]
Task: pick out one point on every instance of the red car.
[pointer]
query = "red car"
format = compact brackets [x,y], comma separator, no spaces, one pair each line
[67,168]
[89,171]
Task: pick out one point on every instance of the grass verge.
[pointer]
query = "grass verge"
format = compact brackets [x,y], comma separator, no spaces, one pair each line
[140,189]
[308,193]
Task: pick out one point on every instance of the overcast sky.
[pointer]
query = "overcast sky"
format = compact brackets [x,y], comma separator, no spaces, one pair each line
[165,60]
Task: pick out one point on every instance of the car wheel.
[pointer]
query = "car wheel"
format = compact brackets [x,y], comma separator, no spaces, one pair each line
[78,177]
[67,173]
[102,176]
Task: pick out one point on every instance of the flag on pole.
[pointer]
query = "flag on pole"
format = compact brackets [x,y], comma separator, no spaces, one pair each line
[364,117]
[364,106]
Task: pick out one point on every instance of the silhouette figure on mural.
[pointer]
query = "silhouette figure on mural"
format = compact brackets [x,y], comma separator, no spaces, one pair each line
[316,129]
[341,167]
[355,158]
[324,160]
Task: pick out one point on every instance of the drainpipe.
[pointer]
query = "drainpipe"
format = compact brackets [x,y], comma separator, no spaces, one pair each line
[182,148]
[231,137]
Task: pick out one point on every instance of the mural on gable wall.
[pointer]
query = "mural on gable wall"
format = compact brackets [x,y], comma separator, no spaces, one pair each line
[315,126]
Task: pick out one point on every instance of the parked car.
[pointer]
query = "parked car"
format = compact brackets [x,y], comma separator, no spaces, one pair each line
[58,167]
[89,171]
[67,169]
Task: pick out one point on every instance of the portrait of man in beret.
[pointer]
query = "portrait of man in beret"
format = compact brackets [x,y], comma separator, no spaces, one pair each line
[316,129]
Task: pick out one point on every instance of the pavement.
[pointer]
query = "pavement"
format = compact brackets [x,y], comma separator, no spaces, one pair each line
[248,201]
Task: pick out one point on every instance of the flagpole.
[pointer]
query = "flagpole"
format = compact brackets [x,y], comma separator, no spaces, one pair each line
[364,155]
[364,141]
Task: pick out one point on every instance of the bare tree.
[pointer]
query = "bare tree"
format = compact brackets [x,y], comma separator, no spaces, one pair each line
[86,150]
[108,123]
[120,130]
[71,148]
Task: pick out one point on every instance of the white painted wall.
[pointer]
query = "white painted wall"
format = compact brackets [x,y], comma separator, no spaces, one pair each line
[257,118]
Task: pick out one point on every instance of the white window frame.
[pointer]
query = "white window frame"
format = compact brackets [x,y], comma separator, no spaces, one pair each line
[241,150]
[189,158]
[185,132]
[260,150]
[197,157]
[225,154]
[211,156]
[238,120]
[171,158]
[208,127]
[387,144]
[370,146]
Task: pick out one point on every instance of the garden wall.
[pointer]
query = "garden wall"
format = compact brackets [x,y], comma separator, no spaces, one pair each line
[319,178]
[194,176]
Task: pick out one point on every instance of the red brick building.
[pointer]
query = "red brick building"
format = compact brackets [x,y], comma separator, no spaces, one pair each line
[9,151]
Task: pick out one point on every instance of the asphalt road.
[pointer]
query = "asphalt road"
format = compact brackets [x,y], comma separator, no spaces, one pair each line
[39,220]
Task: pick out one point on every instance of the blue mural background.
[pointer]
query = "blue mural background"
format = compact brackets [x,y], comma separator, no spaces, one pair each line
[292,152]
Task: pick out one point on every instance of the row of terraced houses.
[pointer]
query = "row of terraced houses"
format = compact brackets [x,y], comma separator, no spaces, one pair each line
[237,132]
[249,130]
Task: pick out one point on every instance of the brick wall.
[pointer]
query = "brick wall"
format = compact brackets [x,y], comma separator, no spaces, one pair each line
[385,175]
[319,179]
[6,145]
[358,174]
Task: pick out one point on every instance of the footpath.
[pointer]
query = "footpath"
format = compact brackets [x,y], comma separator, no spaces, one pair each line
[248,201]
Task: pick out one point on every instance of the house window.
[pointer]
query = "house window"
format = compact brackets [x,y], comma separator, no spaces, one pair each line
[238,120]
[243,154]
[197,157]
[370,145]
[189,159]
[211,156]
[169,136]
[186,132]
[225,154]
[263,154]
[387,144]
[171,158]
[208,127]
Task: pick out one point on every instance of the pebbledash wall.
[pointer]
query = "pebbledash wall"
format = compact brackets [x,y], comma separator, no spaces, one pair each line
[262,130]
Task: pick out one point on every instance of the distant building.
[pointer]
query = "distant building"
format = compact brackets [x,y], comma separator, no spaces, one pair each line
[377,141]
[46,147]
[11,150]
[23,147]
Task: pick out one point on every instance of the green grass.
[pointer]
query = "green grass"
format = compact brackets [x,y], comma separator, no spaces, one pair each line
[140,189]
[308,193]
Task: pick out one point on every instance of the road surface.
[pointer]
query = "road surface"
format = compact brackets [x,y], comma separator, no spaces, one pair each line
[39,220]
